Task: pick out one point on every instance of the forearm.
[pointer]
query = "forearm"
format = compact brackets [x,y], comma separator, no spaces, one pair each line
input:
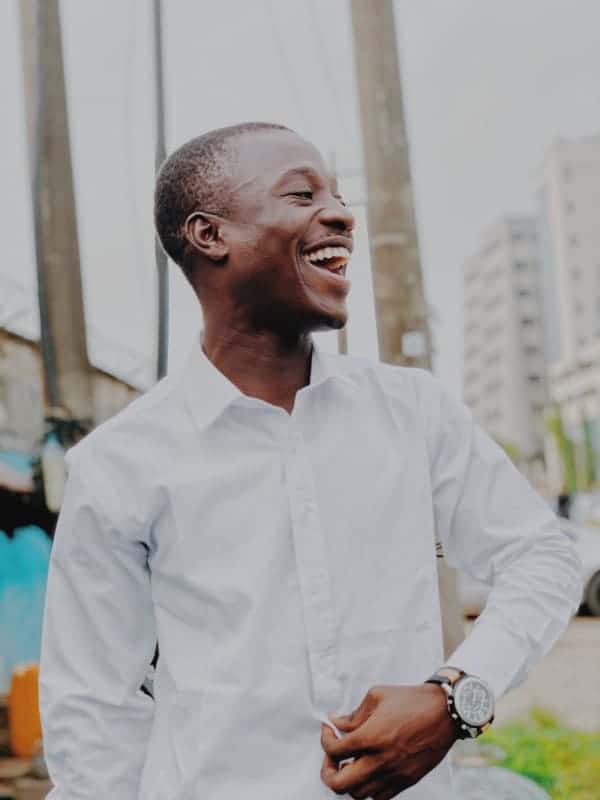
[534,595]
[94,748]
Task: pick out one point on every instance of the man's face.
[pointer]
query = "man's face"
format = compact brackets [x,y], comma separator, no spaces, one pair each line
[289,236]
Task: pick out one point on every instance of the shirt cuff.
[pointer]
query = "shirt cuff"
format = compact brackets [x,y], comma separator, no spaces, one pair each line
[492,653]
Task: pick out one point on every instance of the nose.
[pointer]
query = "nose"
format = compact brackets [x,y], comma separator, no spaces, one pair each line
[337,216]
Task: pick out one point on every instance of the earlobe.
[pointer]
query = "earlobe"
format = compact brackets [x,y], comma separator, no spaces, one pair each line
[204,233]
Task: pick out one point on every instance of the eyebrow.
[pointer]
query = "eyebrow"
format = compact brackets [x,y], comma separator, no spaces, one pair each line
[309,172]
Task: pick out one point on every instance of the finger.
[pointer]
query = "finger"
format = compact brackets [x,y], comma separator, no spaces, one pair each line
[329,768]
[399,786]
[350,777]
[351,745]
[387,794]
[368,789]
[348,722]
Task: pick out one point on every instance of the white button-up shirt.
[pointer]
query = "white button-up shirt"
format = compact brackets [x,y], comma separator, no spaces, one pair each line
[285,563]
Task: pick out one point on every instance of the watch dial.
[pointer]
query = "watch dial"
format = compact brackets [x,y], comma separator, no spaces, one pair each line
[474,701]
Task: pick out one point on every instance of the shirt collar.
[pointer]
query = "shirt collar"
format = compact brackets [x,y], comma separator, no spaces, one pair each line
[208,392]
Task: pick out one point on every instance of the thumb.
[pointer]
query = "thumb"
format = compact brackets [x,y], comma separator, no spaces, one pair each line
[351,721]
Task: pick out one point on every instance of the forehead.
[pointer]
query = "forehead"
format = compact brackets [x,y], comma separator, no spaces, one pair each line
[263,157]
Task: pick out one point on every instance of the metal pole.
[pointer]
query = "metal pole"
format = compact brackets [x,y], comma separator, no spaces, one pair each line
[342,334]
[160,154]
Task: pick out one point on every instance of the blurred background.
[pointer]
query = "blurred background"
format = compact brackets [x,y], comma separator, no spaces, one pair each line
[465,136]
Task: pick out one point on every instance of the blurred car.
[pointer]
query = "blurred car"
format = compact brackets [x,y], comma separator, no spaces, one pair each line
[474,593]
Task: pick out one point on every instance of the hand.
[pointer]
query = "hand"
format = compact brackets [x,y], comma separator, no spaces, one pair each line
[396,736]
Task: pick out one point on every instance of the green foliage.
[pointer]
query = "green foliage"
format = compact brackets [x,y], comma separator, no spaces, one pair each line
[566,449]
[511,450]
[565,762]
[590,471]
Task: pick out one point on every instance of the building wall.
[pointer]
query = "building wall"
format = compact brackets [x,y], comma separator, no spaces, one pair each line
[504,381]
[21,394]
[569,192]
[569,186]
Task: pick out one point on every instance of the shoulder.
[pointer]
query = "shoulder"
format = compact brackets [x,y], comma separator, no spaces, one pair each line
[412,394]
[127,427]
[118,458]
[412,385]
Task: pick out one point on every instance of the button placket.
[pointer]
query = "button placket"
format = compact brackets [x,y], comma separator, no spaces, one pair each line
[313,574]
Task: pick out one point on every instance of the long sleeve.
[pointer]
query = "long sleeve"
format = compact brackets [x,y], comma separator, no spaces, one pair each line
[494,526]
[97,643]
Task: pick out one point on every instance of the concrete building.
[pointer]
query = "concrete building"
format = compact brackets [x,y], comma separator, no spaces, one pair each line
[504,375]
[21,403]
[568,193]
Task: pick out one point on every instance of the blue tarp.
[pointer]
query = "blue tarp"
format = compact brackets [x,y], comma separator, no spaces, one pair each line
[23,573]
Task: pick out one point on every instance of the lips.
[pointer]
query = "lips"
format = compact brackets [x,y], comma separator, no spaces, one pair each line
[333,259]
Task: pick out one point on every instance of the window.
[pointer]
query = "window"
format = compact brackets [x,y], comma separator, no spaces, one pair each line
[525,293]
[573,241]
[531,350]
[534,378]
[520,266]
[527,321]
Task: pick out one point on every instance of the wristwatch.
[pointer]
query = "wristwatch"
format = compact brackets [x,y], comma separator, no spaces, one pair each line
[470,701]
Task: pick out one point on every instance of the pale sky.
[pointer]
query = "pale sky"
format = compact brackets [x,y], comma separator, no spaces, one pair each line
[488,84]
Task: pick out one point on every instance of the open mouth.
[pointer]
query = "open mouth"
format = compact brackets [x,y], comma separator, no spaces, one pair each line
[332,259]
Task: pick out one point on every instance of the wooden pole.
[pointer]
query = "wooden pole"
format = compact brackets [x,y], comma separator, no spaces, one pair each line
[402,322]
[67,376]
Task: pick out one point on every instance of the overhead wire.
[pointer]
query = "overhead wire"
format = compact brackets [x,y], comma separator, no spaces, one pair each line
[323,55]
[285,62]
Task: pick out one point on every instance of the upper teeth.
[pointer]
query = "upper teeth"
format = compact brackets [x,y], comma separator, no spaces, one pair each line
[326,253]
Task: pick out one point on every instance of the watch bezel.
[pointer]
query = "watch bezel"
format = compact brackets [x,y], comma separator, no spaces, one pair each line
[457,691]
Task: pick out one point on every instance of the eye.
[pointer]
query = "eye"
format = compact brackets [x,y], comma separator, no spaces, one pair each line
[306,195]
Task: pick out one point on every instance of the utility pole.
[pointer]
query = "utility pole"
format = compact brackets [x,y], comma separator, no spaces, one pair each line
[342,334]
[159,157]
[67,377]
[402,324]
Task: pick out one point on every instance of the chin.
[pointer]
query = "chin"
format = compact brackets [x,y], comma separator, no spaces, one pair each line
[322,321]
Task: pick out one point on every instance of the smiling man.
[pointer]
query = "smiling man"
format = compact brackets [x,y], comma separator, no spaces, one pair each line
[269,514]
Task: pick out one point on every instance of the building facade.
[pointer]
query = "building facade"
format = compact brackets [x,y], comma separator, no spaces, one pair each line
[504,368]
[568,194]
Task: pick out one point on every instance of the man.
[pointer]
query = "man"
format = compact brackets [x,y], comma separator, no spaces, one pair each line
[269,514]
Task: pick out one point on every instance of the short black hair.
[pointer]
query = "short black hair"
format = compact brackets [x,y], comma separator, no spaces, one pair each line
[192,178]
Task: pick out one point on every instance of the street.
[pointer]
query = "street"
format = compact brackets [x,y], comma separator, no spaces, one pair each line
[565,682]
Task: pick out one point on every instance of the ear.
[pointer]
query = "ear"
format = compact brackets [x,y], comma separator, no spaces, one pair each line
[204,232]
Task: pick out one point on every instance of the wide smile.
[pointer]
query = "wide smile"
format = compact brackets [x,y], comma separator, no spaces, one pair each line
[330,261]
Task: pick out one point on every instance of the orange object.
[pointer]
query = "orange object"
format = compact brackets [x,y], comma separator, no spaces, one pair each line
[24,724]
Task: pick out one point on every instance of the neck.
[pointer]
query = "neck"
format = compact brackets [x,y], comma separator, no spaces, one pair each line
[263,365]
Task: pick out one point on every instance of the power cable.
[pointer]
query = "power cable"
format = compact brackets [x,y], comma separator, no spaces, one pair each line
[285,62]
[326,66]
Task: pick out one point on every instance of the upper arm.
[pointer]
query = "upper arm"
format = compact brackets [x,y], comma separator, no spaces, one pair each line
[486,511]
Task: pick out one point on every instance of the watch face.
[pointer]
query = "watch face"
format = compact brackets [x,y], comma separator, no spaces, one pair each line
[474,701]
